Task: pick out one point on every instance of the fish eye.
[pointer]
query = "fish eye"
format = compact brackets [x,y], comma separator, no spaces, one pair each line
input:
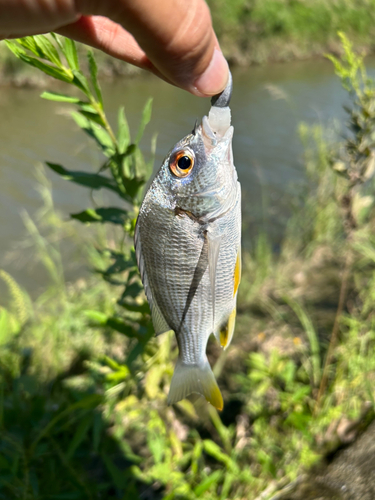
[182,163]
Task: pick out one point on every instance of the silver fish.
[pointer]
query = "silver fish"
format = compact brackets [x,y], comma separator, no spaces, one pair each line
[187,242]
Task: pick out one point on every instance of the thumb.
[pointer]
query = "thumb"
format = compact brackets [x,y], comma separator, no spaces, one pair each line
[177,37]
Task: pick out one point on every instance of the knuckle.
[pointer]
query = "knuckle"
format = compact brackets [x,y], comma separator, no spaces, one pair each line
[107,33]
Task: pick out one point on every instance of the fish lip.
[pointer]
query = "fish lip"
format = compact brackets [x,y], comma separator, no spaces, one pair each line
[212,136]
[207,131]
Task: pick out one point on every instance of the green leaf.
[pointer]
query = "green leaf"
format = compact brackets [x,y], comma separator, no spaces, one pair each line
[206,484]
[132,290]
[94,76]
[100,135]
[93,181]
[57,73]
[96,317]
[125,163]
[29,43]
[215,451]
[71,54]
[88,402]
[93,116]
[150,163]
[139,308]
[133,186]
[86,106]
[156,444]
[59,42]
[79,435]
[5,330]
[100,319]
[120,326]
[119,264]
[48,50]
[102,215]
[301,394]
[14,48]
[146,117]
[123,134]
[228,480]
[298,420]
[55,96]
[81,82]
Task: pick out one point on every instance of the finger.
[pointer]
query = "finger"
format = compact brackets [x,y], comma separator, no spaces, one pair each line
[176,35]
[104,34]
[22,18]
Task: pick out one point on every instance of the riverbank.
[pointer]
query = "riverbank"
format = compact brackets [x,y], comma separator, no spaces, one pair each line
[261,31]
[252,32]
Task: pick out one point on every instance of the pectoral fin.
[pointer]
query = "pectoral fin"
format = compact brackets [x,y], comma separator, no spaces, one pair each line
[200,269]
[213,257]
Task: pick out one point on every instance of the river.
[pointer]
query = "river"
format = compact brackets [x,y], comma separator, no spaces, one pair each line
[267,151]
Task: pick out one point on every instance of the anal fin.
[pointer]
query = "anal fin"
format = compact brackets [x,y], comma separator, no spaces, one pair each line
[237,273]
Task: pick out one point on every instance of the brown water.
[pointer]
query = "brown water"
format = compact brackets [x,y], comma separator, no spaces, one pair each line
[266,146]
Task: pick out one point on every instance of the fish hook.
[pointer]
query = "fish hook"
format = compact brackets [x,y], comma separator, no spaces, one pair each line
[222,100]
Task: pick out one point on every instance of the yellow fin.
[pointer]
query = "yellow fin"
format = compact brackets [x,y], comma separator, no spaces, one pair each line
[197,378]
[226,332]
[237,273]
[215,398]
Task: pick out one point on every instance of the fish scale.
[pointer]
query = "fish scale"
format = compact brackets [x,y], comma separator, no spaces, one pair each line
[187,242]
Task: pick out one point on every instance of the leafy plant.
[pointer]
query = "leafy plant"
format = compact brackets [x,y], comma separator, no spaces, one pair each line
[123,171]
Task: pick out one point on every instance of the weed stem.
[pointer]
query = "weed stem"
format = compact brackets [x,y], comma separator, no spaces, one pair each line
[335,329]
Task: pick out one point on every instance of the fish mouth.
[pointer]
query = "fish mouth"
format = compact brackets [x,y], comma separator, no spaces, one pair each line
[217,124]
[217,134]
[216,127]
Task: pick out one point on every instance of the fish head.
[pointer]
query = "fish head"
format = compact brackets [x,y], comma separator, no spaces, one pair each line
[198,173]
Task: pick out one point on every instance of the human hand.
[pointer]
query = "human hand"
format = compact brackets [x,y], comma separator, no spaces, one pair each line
[172,38]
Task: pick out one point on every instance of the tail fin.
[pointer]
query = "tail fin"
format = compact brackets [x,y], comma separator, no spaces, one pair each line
[195,378]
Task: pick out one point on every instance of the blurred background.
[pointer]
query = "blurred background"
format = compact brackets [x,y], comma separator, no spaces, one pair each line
[83,382]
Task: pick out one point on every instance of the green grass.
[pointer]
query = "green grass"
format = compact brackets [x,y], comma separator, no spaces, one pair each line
[83,382]
[262,30]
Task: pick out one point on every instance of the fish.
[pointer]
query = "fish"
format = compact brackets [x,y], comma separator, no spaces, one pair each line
[188,248]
